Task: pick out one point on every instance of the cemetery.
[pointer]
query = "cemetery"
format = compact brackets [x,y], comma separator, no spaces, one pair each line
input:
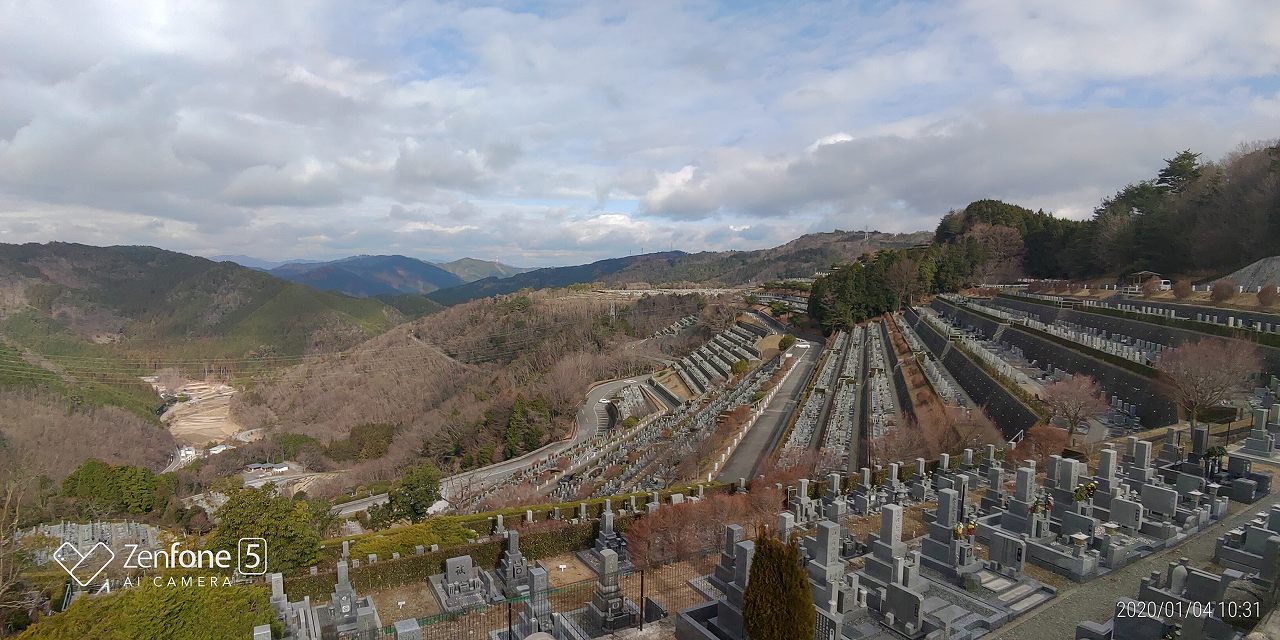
[1010,414]
[882,400]
[1168,324]
[1032,357]
[966,576]
[712,363]
[1183,600]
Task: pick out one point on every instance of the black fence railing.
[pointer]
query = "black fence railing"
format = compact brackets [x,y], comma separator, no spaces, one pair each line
[666,589]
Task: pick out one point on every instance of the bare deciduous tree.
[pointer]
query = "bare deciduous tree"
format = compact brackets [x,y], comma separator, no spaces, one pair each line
[1042,441]
[15,594]
[1075,400]
[901,277]
[1151,286]
[1001,247]
[1182,289]
[1206,372]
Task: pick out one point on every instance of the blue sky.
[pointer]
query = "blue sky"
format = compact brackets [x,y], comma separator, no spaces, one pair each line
[559,133]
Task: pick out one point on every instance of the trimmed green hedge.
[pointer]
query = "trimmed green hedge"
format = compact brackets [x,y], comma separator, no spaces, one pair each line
[147,612]
[1043,303]
[412,568]
[1269,339]
[404,538]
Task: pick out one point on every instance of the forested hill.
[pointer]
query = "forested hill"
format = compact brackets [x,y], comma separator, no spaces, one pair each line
[130,294]
[84,322]
[799,258]
[1194,219]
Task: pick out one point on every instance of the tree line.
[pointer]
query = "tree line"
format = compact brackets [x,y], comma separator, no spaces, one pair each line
[1193,217]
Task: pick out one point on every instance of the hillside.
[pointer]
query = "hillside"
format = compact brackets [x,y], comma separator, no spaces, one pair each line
[1261,273]
[1193,219]
[548,278]
[85,321]
[800,258]
[446,387]
[368,276]
[471,269]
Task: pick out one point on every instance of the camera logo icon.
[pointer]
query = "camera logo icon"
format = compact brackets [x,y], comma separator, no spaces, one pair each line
[251,556]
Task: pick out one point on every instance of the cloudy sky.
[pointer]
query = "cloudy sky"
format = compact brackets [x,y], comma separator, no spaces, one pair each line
[558,133]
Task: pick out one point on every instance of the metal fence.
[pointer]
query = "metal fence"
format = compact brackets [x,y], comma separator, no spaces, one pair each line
[657,591]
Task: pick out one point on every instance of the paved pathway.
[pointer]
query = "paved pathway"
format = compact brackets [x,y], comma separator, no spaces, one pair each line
[764,435]
[1096,600]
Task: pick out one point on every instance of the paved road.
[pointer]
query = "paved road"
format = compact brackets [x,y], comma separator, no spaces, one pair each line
[586,429]
[764,435]
[1096,600]
[355,506]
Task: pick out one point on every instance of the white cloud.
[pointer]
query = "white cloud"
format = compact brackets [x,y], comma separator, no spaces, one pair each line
[587,130]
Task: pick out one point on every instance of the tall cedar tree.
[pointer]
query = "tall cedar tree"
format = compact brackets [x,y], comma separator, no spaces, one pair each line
[777,604]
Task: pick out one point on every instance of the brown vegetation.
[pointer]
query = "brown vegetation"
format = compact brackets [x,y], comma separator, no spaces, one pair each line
[1040,442]
[1182,289]
[1222,291]
[54,439]
[448,383]
[1151,286]
[1267,295]
[936,428]
[692,529]
[1207,372]
[1075,399]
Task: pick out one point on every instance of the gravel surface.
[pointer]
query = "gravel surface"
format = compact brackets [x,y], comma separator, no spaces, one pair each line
[1096,600]
[1262,272]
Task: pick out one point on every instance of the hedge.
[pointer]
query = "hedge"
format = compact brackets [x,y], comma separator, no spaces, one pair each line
[1269,339]
[482,523]
[413,568]
[1097,354]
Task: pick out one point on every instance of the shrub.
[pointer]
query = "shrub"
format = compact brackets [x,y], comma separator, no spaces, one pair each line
[155,612]
[1222,291]
[1267,295]
[1182,289]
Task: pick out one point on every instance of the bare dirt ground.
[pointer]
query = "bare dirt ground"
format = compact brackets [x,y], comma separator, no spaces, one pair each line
[418,601]
[671,380]
[205,417]
[768,347]
[574,570]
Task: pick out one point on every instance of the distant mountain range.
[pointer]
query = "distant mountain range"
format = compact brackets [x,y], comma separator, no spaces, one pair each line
[796,259]
[379,276]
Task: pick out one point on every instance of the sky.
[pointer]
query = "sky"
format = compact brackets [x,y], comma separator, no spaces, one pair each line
[550,133]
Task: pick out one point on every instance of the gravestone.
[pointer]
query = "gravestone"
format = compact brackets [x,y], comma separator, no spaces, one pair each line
[608,609]
[536,615]
[512,568]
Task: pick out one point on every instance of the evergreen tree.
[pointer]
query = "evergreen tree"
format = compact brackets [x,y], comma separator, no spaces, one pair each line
[777,604]
[415,492]
[292,541]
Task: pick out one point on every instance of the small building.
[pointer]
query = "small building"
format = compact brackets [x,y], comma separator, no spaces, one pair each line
[1134,281]
[268,467]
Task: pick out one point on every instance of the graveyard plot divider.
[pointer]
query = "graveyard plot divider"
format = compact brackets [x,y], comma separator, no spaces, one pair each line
[658,592]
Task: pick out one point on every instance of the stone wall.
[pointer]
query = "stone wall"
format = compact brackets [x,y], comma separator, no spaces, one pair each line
[1008,413]
[1154,406]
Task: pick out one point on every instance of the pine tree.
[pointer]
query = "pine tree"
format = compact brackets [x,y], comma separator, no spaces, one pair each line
[777,604]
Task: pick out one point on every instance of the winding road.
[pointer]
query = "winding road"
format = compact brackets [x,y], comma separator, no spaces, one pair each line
[584,429]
